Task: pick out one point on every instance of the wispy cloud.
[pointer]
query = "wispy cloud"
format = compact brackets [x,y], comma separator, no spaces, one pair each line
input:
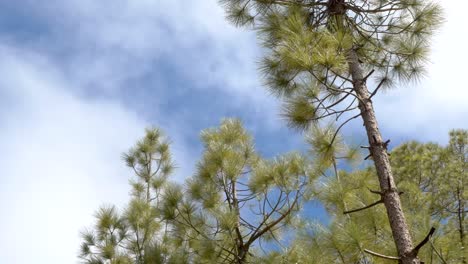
[60,155]
[120,40]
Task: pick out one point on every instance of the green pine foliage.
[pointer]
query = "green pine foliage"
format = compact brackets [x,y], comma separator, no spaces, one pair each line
[322,56]
[137,234]
[432,179]
[441,174]
[238,200]
[308,44]
[234,203]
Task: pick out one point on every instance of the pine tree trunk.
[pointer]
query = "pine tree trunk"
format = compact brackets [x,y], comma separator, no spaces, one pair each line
[461,222]
[400,230]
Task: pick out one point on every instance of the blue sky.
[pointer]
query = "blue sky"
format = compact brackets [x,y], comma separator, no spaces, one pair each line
[81,79]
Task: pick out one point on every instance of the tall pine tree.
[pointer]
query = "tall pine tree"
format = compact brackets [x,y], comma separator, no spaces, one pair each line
[321,56]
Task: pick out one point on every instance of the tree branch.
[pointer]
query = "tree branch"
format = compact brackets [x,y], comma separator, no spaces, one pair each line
[344,123]
[368,75]
[437,252]
[274,223]
[381,255]
[424,241]
[377,89]
[364,208]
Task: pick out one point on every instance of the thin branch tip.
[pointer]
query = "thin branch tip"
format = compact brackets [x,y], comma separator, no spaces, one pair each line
[368,75]
[377,89]
[376,192]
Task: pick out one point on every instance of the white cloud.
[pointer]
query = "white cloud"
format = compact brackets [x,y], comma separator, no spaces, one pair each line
[428,110]
[60,159]
[118,40]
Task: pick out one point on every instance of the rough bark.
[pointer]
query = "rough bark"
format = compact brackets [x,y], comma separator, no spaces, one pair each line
[391,199]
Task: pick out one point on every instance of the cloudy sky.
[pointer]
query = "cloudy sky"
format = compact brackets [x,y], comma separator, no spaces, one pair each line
[81,79]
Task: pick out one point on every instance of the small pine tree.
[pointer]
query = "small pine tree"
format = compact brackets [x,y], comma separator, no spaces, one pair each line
[139,233]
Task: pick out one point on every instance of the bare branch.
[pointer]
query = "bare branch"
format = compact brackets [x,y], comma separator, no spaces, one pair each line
[424,241]
[344,123]
[376,192]
[381,255]
[364,208]
[368,75]
[377,89]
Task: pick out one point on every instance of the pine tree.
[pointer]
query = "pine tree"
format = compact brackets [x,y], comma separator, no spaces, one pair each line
[321,54]
[237,200]
[432,178]
[139,233]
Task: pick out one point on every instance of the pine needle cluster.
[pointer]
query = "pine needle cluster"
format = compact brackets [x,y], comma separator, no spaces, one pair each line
[308,44]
